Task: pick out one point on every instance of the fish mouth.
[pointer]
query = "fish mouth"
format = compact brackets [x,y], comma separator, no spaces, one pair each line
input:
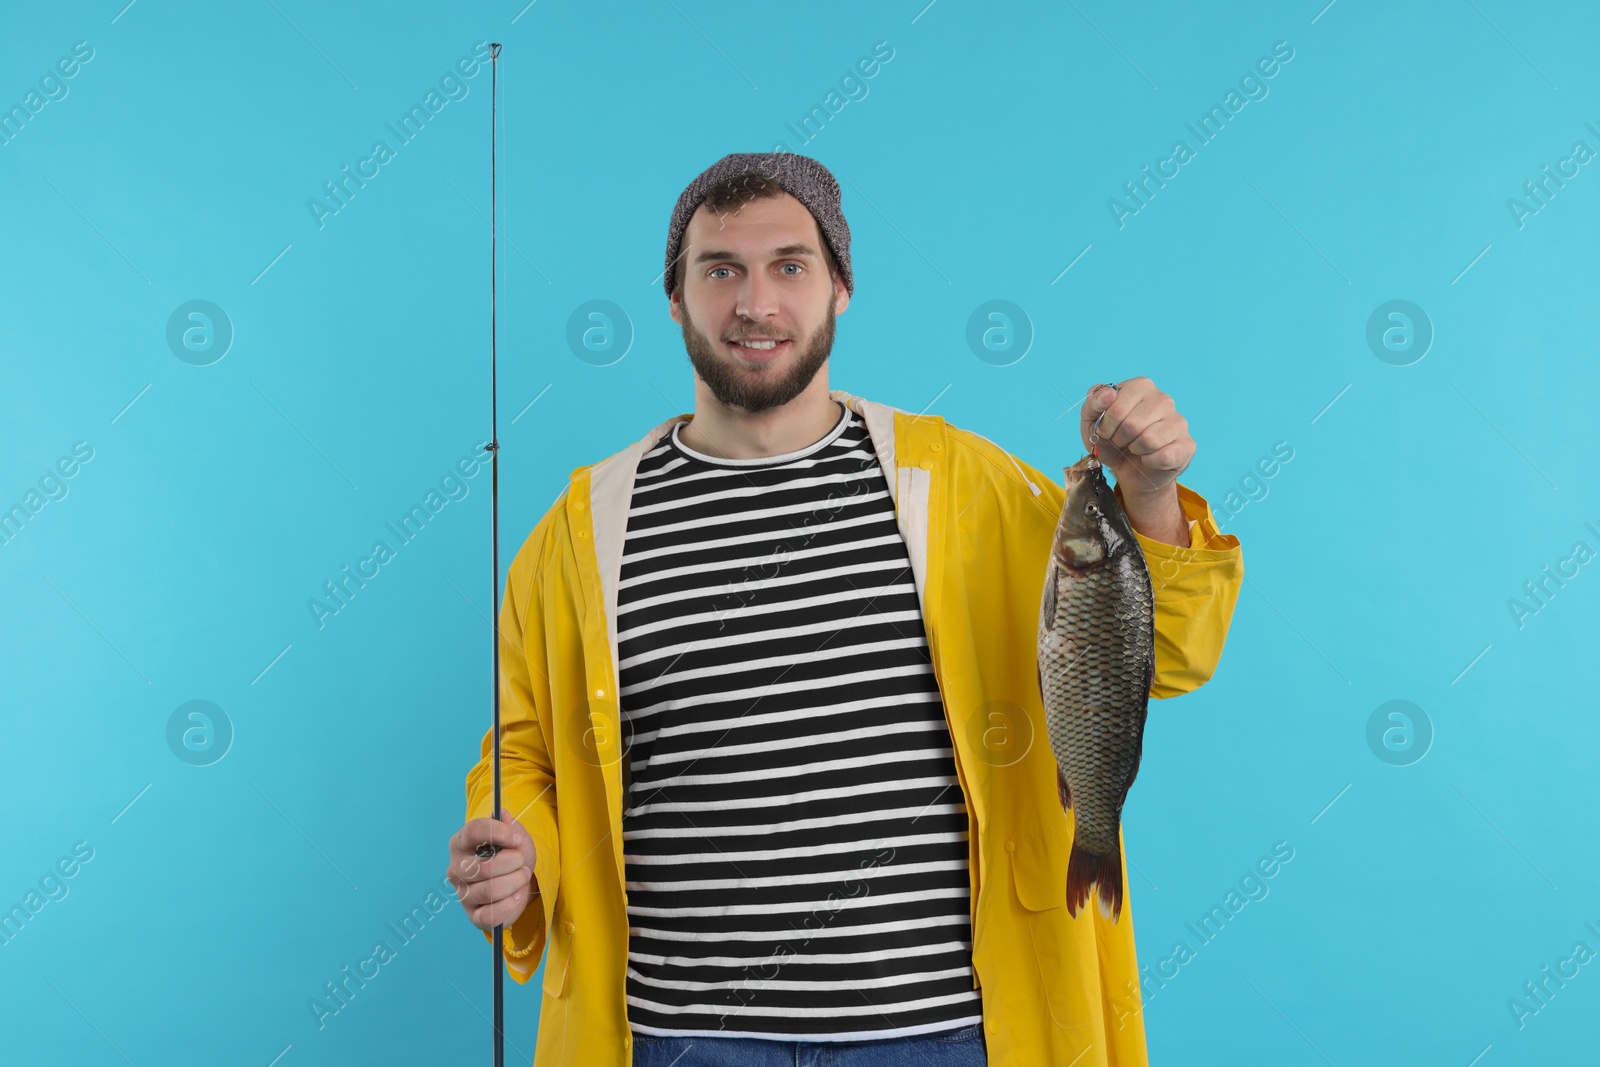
[1081,470]
[1078,545]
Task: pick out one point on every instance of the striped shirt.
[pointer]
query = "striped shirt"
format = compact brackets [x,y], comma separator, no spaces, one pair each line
[795,836]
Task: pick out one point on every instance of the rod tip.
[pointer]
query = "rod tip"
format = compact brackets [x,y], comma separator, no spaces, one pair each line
[494,49]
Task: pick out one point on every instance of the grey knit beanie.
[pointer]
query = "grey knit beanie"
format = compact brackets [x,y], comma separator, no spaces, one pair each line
[800,176]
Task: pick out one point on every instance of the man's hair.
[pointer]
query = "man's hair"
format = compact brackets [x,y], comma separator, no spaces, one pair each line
[731,194]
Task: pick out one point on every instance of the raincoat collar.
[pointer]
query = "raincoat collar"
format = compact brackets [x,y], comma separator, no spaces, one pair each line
[611,487]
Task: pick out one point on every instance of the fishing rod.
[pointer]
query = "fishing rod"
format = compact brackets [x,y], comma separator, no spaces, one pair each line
[487,851]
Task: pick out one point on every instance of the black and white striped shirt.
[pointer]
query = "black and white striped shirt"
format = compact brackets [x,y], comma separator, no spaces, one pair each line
[795,835]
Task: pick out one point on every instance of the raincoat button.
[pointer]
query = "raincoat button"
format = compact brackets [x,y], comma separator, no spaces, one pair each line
[599,693]
[578,505]
[570,925]
[926,465]
[935,447]
[1011,846]
[583,535]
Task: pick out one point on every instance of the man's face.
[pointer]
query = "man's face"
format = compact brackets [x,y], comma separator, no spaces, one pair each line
[757,272]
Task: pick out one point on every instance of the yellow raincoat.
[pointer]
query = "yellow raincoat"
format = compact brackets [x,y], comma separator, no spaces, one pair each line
[978,526]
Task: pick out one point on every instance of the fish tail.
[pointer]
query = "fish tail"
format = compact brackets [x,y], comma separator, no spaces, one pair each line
[1087,870]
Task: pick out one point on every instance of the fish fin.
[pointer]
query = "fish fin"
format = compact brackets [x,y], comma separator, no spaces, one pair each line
[1064,790]
[1089,870]
[1050,591]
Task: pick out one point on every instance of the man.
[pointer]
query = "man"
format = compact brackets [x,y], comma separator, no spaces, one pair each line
[773,754]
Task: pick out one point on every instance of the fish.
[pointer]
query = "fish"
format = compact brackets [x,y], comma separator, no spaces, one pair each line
[1096,662]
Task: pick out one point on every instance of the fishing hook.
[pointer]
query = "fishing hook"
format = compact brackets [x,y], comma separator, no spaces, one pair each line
[1094,431]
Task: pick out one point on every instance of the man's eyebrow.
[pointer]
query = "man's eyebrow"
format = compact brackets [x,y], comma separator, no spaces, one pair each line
[786,250]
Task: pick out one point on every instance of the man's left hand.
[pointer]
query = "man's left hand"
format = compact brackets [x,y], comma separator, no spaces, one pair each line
[1146,445]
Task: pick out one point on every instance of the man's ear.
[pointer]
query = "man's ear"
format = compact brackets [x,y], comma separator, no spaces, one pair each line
[843,295]
[675,305]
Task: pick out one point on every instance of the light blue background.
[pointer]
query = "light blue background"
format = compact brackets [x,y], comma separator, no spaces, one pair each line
[977,167]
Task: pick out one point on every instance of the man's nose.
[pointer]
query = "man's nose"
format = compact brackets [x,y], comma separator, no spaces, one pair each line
[758,297]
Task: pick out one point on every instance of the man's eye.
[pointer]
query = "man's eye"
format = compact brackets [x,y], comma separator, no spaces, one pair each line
[715,269]
[793,265]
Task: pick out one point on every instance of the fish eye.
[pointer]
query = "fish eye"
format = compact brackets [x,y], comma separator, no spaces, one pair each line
[1092,509]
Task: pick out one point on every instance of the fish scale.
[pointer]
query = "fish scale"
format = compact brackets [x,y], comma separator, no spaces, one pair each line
[1096,653]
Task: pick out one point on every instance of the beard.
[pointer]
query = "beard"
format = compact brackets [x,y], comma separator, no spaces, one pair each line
[762,386]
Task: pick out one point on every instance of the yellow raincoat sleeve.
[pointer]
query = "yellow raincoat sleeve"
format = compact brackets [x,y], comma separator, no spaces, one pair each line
[1196,587]
[528,787]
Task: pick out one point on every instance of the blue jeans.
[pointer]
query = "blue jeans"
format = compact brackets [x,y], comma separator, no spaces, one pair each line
[952,1048]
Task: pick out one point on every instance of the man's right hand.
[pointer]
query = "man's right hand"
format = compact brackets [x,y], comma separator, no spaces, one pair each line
[492,891]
